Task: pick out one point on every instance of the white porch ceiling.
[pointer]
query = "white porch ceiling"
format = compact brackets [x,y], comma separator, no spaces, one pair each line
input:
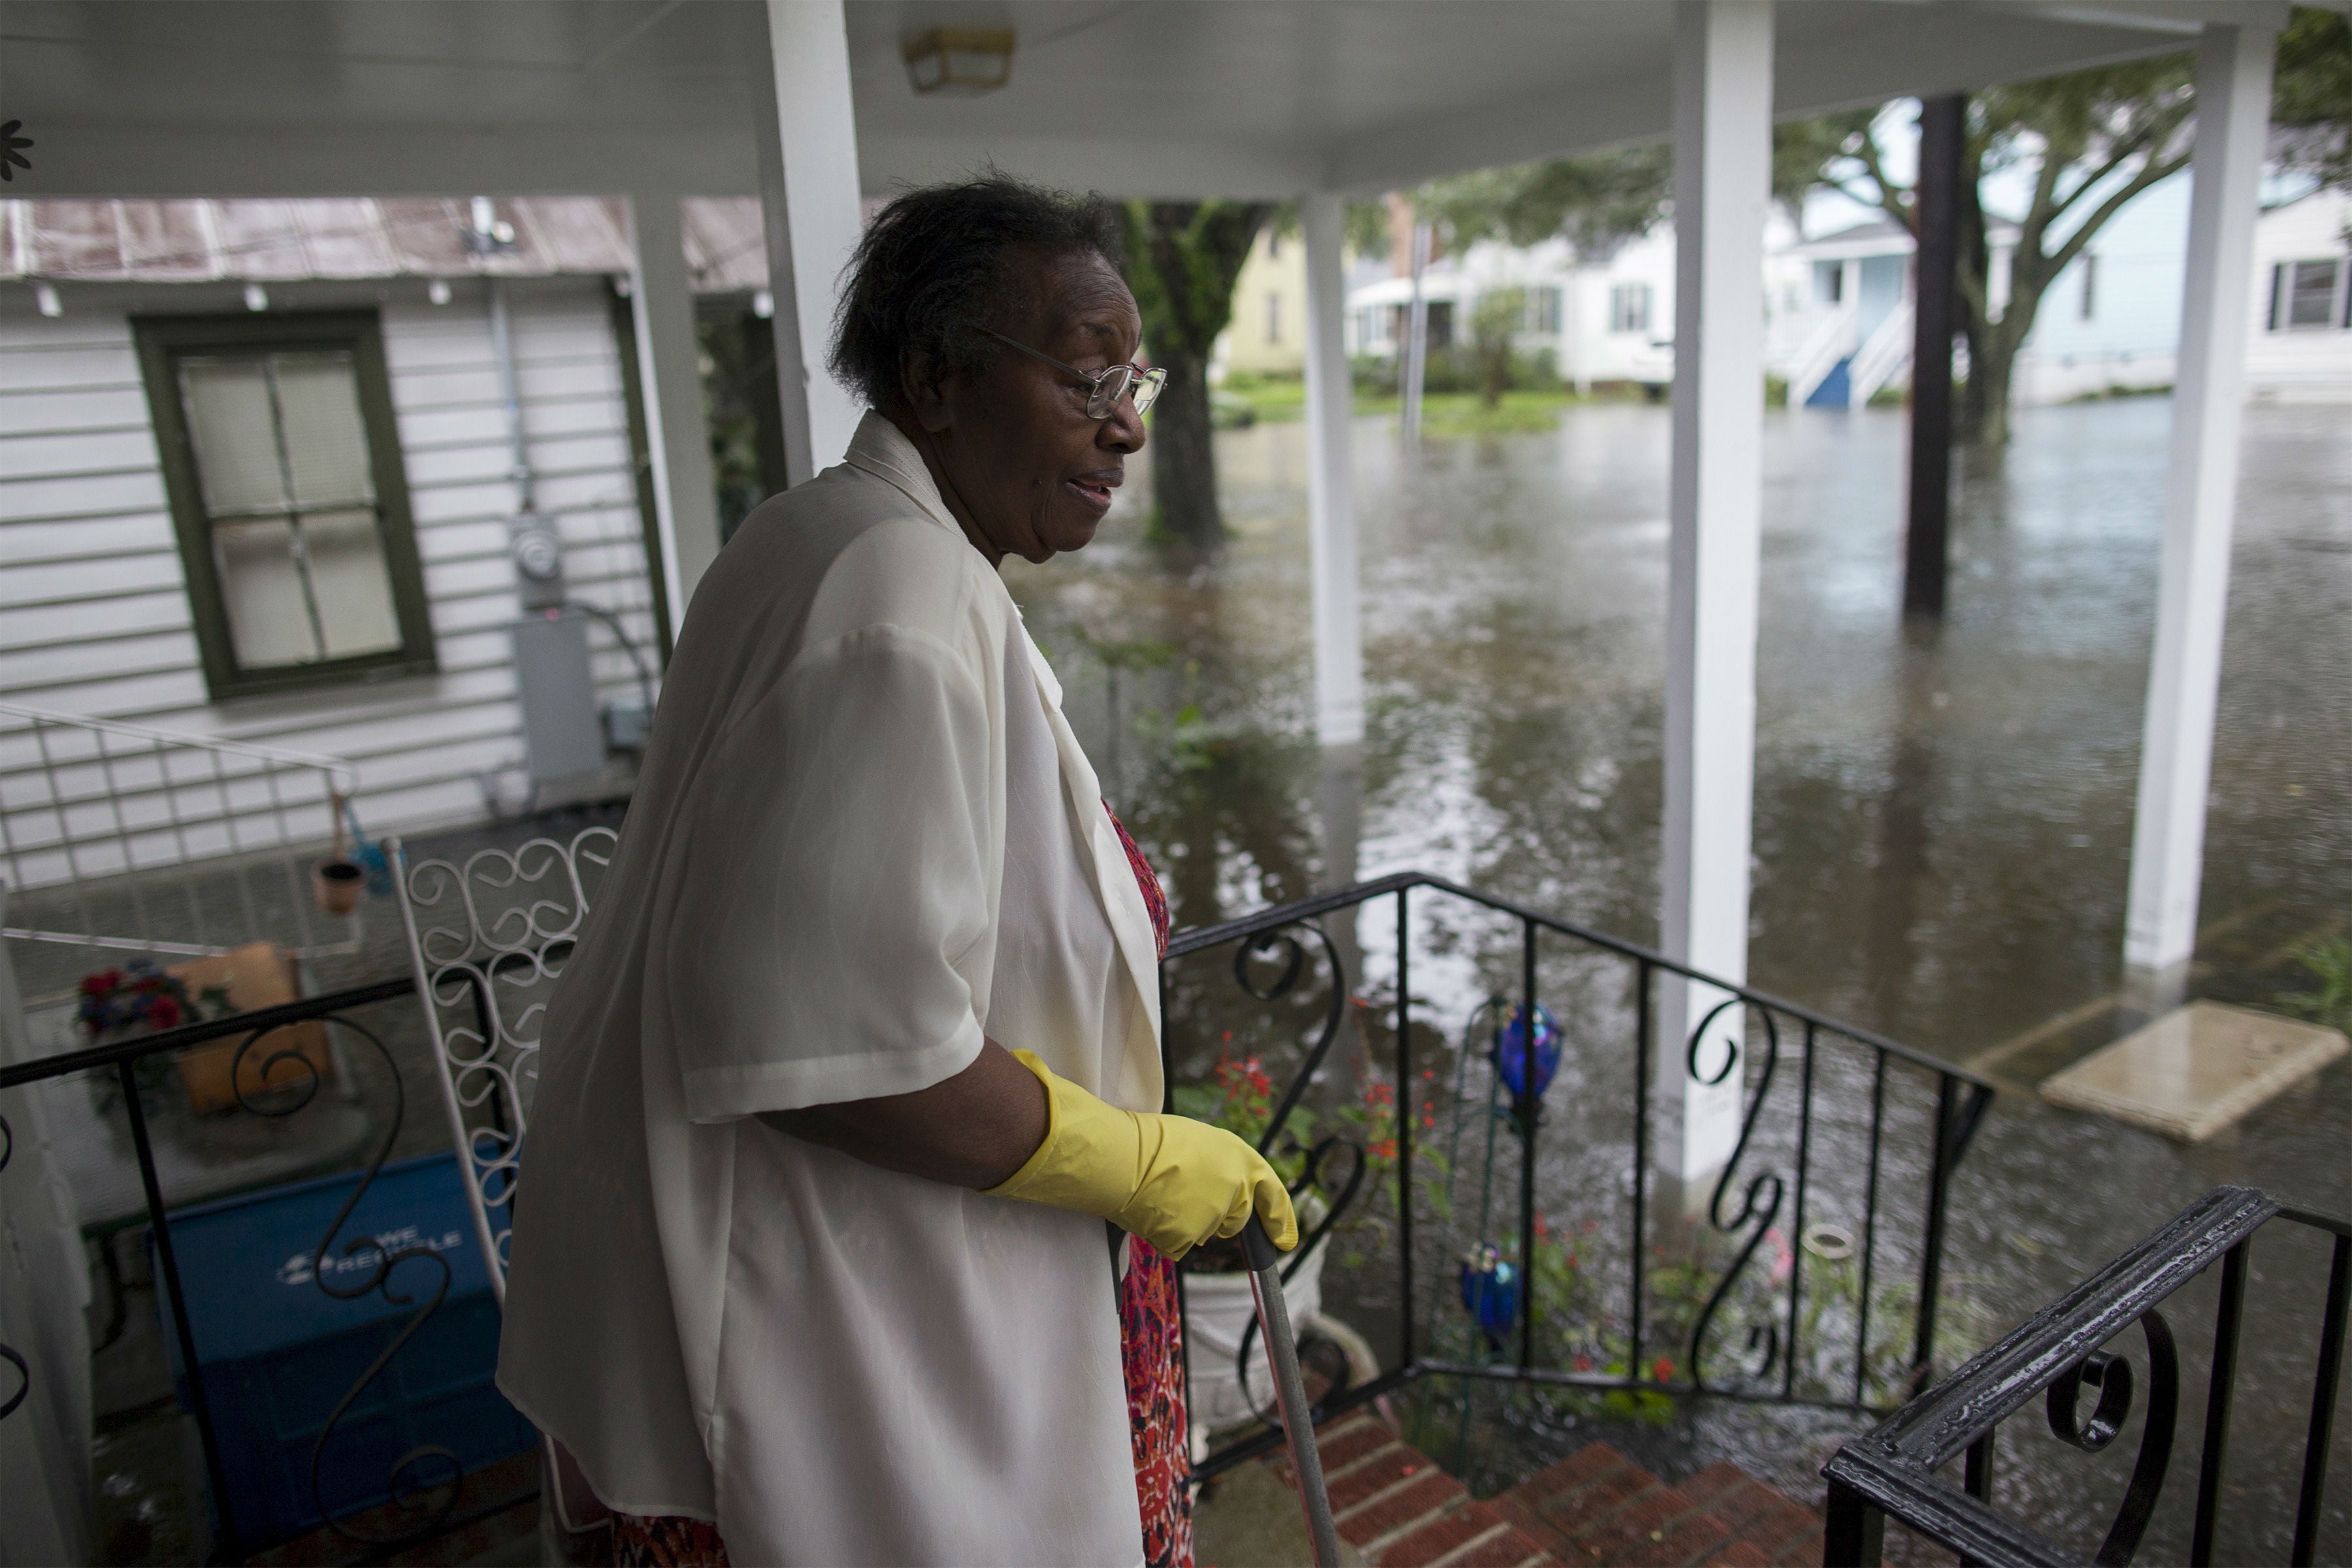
[1147,97]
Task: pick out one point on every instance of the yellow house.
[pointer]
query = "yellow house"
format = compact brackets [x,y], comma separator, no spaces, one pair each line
[1267,334]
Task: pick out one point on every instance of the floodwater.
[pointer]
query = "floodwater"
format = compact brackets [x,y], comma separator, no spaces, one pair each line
[1942,834]
[1942,838]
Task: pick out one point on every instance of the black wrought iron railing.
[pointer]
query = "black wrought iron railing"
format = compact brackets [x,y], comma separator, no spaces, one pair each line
[429,1493]
[1893,1472]
[1846,1149]
[1646,1300]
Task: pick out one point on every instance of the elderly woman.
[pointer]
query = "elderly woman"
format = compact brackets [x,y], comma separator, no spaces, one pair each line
[858,1051]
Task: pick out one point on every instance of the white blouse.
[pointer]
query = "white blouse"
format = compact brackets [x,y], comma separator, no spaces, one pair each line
[864,836]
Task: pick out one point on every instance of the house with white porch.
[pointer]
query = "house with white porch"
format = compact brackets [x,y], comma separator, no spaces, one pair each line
[2110,323]
[1838,306]
[1604,319]
[813,104]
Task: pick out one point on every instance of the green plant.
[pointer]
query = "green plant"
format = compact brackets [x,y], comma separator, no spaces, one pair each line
[1190,738]
[1498,316]
[2329,961]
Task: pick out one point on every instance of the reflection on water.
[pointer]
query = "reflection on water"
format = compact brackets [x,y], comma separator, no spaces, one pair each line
[1943,821]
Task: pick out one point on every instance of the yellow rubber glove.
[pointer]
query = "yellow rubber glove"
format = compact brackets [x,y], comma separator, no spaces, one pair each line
[1170,1180]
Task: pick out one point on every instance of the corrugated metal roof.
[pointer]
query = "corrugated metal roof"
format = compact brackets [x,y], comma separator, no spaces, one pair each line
[122,241]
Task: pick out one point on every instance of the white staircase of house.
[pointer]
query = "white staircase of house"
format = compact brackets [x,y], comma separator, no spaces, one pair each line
[1885,356]
[1828,344]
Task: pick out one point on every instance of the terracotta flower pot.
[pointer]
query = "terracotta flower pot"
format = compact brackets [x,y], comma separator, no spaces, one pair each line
[338,885]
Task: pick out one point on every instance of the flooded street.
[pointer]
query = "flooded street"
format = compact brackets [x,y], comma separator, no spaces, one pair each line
[1942,827]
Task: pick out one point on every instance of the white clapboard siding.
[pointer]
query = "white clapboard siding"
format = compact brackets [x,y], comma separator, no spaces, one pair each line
[94,616]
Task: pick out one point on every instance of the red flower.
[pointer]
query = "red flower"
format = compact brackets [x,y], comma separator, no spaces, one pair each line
[1584,1364]
[165,1013]
[1663,1369]
[98,985]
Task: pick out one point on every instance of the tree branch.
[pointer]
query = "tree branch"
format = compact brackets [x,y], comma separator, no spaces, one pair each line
[2150,173]
[1889,193]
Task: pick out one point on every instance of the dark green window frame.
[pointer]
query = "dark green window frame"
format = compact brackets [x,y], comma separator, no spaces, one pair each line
[163,342]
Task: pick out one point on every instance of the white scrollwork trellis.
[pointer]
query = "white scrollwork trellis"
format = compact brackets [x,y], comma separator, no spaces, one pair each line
[488,938]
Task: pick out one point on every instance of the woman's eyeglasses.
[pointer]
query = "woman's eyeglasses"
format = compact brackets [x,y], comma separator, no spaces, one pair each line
[1105,387]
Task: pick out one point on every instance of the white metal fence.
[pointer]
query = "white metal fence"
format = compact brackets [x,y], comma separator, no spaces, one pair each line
[118,836]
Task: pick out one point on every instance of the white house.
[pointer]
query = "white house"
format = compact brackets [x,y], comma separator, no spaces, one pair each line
[2299,345]
[1608,321]
[1838,306]
[257,472]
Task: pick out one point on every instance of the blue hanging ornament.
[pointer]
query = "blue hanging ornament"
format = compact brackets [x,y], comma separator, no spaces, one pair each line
[1511,1052]
[1490,1292]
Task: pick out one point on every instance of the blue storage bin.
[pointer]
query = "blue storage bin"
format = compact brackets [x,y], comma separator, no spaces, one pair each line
[276,1353]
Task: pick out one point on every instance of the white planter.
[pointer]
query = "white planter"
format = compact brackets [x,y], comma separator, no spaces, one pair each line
[1218,1309]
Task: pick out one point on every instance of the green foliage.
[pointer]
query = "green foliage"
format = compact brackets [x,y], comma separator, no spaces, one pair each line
[1187,739]
[1460,369]
[1111,653]
[730,367]
[1597,202]
[2311,104]
[1498,315]
[1803,151]
[2093,138]
[1183,259]
[1367,232]
[2329,1002]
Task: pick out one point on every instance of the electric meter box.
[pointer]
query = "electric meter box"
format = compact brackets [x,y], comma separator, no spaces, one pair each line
[276,1353]
[562,734]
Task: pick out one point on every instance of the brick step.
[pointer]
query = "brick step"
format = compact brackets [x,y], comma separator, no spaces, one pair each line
[1598,1507]
[1395,1507]
[1594,1510]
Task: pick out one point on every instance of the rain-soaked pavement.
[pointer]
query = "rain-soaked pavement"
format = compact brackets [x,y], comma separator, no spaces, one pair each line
[1943,826]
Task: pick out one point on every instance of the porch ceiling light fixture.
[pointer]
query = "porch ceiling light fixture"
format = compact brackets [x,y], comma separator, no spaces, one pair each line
[958,62]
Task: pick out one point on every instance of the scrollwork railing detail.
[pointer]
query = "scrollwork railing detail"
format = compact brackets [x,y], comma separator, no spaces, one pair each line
[8,1353]
[281,1096]
[1759,1202]
[2112,1377]
[489,938]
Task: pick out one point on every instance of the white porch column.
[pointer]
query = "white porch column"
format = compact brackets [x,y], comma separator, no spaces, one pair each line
[809,201]
[1330,501]
[1723,145]
[661,302]
[2233,97]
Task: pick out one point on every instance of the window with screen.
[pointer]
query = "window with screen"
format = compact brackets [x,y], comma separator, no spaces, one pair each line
[2304,294]
[1629,308]
[287,490]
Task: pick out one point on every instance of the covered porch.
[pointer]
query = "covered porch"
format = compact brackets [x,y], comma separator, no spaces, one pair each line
[808,104]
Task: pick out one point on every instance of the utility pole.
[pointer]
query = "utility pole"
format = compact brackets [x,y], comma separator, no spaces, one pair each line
[1943,123]
[1416,343]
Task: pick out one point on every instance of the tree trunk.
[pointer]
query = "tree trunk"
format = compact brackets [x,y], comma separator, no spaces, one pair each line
[1183,454]
[1183,260]
[1969,426]
[1990,362]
